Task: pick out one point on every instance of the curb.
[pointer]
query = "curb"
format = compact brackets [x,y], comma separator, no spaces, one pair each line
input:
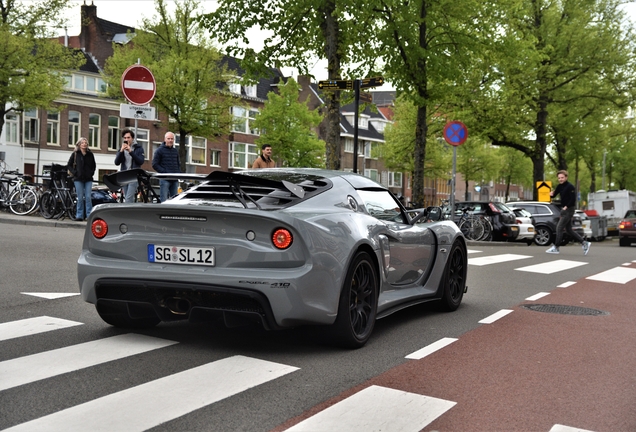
[40,221]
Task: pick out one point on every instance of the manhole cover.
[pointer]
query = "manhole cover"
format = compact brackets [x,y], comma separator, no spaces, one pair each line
[564,309]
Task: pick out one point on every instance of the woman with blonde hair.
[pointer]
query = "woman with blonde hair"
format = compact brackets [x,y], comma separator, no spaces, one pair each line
[82,165]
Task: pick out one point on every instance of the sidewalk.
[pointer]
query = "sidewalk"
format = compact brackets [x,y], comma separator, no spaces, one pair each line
[36,219]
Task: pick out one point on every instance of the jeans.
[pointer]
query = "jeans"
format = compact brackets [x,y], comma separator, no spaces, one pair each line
[566,222]
[168,189]
[83,190]
[130,192]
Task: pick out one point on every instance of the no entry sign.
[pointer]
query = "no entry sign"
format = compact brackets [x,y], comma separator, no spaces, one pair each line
[138,85]
[455,133]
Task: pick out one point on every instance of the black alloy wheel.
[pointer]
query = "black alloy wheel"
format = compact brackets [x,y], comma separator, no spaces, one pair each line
[453,283]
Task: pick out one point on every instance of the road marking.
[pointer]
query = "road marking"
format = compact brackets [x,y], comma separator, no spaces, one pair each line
[619,275]
[148,405]
[472,251]
[495,259]
[378,409]
[31,326]
[430,349]
[552,266]
[538,296]
[494,317]
[627,264]
[51,296]
[47,364]
[562,428]
[566,284]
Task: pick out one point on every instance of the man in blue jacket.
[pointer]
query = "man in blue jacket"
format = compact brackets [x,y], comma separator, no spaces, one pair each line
[166,160]
[130,156]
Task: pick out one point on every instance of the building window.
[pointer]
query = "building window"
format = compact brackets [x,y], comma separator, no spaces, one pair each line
[234,88]
[215,158]
[395,179]
[243,119]
[94,122]
[250,90]
[74,127]
[113,133]
[196,150]
[31,125]
[85,84]
[242,155]
[371,173]
[363,122]
[53,128]
[143,139]
[367,149]
[11,123]
[348,145]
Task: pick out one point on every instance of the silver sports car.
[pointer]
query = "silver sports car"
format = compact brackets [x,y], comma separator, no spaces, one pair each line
[283,247]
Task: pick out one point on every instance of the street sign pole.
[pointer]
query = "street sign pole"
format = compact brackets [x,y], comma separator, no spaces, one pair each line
[356,89]
[455,134]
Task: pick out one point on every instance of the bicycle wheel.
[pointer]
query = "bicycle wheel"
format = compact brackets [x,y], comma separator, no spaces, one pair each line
[23,201]
[71,206]
[471,228]
[49,205]
[487,236]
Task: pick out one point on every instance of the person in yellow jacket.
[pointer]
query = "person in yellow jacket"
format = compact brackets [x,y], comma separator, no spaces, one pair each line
[265,159]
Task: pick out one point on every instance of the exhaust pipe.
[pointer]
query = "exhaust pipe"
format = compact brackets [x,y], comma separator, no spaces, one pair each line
[178,305]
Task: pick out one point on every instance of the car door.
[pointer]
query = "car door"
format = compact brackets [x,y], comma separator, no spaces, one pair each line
[410,247]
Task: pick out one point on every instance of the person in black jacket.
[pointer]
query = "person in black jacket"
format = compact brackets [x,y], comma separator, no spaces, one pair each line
[130,156]
[166,160]
[82,165]
[568,202]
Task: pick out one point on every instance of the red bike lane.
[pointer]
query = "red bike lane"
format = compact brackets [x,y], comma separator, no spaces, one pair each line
[533,370]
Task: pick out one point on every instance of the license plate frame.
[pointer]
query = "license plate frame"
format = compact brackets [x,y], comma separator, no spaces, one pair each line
[182,255]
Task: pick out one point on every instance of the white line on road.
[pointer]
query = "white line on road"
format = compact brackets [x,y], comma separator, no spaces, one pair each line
[537,296]
[24,370]
[430,349]
[50,296]
[378,409]
[552,266]
[562,428]
[494,317]
[619,275]
[496,259]
[31,326]
[148,405]
[566,284]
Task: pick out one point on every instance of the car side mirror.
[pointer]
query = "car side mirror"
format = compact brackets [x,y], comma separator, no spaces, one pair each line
[434,214]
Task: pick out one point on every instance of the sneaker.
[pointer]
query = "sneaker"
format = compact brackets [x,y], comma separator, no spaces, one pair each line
[553,250]
[586,247]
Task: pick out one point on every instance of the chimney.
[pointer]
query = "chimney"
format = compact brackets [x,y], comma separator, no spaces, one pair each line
[88,17]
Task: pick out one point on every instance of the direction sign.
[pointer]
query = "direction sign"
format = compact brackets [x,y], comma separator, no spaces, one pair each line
[138,85]
[335,85]
[372,82]
[455,133]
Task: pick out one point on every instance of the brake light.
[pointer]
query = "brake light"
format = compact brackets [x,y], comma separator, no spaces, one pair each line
[518,222]
[99,228]
[625,224]
[282,238]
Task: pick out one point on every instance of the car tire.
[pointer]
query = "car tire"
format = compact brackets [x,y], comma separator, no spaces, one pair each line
[116,314]
[624,241]
[453,283]
[358,305]
[543,236]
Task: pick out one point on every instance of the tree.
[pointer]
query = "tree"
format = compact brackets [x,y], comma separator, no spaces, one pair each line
[32,65]
[286,124]
[187,69]
[477,162]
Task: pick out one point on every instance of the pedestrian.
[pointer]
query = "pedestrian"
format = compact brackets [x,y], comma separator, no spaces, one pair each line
[166,160]
[130,156]
[568,202]
[265,159]
[82,165]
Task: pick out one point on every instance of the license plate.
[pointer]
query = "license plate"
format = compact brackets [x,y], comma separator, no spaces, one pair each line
[181,255]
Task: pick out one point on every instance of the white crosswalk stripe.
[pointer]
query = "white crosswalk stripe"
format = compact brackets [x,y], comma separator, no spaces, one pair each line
[619,275]
[552,266]
[496,259]
[148,405]
[31,326]
[47,364]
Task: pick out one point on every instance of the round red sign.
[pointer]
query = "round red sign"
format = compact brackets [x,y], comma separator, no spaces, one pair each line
[138,85]
[455,133]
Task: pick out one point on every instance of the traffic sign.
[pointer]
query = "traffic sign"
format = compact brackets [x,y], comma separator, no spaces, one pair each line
[137,112]
[455,133]
[138,85]
[372,82]
[335,85]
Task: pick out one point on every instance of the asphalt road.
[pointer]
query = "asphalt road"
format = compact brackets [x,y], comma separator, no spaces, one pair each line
[201,377]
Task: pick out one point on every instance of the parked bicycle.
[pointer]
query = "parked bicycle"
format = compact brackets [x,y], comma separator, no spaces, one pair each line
[15,192]
[473,227]
[60,200]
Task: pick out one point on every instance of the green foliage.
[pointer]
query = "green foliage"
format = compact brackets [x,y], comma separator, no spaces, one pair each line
[187,70]
[286,124]
[32,65]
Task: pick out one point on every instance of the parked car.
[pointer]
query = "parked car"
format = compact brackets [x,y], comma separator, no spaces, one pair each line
[280,247]
[586,223]
[503,220]
[627,229]
[546,217]
[526,225]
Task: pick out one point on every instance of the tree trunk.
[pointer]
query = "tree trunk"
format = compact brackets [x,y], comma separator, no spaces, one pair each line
[183,149]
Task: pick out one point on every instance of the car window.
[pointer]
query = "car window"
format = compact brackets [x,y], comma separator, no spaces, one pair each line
[630,214]
[502,207]
[381,205]
[543,210]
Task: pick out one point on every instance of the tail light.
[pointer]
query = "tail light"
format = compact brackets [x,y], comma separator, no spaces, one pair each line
[518,221]
[625,225]
[99,228]
[282,238]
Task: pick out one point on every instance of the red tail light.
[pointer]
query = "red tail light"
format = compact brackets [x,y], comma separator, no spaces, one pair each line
[625,224]
[282,238]
[99,228]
